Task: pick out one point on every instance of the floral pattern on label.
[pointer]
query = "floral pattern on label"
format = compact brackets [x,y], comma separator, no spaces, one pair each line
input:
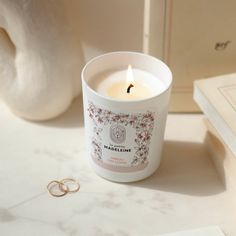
[142,123]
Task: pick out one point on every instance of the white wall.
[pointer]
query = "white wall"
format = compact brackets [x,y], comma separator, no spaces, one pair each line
[110,25]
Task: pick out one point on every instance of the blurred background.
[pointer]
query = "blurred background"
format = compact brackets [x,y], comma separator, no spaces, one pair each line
[195,38]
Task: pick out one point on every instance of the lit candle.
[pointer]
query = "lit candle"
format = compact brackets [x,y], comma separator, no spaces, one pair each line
[127,84]
[124,128]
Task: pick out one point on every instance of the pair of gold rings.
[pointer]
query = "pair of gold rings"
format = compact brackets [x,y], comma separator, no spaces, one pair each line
[61,188]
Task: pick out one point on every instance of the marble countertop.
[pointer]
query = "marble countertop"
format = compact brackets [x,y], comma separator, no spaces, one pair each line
[184,193]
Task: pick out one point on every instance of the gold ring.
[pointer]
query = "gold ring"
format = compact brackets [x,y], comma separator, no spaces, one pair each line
[64,185]
[63,190]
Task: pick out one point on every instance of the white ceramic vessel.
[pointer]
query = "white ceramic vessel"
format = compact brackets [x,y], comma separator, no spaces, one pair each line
[136,153]
[40,57]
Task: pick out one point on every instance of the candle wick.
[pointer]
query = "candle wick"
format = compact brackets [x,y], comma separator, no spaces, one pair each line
[130,86]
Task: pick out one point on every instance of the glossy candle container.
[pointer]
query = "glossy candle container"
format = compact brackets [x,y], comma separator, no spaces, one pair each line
[124,138]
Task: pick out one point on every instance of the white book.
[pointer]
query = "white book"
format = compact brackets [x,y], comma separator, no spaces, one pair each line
[209,231]
[223,158]
[217,99]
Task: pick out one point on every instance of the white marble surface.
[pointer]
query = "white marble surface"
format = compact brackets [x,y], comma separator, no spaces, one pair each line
[206,231]
[185,192]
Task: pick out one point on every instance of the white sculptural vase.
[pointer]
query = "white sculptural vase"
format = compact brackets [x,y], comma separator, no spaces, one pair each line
[40,58]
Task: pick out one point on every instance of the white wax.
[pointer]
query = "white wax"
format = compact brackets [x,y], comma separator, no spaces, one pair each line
[114,85]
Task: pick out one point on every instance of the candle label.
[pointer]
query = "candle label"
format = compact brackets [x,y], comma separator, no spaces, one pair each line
[120,142]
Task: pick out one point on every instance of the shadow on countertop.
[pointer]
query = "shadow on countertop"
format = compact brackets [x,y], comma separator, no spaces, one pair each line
[71,118]
[186,168]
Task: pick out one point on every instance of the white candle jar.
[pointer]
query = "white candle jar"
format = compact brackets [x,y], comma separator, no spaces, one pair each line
[125,137]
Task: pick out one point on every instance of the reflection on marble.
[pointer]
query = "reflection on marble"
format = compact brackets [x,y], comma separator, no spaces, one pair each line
[184,193]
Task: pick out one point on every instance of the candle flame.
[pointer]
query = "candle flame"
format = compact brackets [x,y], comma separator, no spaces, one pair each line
[130,75]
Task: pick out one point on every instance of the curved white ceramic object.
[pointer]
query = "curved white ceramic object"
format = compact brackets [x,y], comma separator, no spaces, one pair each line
[40,57]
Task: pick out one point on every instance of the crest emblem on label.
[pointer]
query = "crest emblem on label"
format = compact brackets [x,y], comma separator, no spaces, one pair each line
[117,133]
[120,141]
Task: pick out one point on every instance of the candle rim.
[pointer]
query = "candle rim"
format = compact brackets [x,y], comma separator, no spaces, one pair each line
[167,87]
